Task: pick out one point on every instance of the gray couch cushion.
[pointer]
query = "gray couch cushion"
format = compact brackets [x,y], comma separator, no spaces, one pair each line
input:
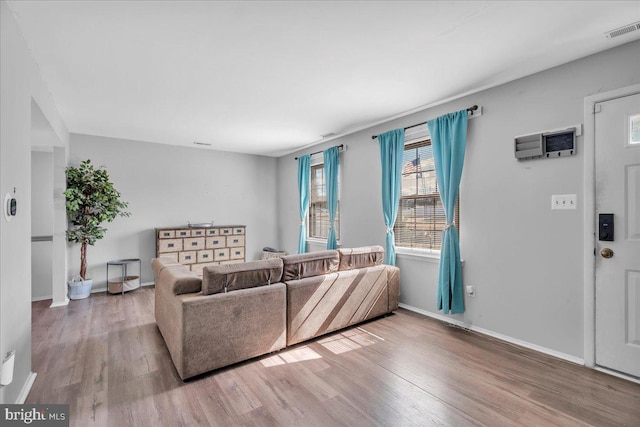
[310,264]
[241,276]
[366,256]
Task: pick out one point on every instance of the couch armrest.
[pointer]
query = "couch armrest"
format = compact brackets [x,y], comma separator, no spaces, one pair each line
[168,311]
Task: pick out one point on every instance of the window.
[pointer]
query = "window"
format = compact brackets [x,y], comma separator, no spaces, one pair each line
[634,129]
[318,212]
[421,216]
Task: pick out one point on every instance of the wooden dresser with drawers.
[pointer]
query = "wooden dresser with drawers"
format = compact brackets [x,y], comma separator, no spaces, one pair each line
[197,248]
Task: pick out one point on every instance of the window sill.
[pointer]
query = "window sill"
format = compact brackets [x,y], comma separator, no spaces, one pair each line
[316,241]
[425,255]
[421,254]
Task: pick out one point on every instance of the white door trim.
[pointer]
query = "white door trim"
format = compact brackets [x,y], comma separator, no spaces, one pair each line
[589,206]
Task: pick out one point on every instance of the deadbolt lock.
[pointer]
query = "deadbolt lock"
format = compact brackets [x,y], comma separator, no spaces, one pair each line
[606,253]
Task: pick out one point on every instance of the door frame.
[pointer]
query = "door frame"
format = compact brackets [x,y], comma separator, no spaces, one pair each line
[589,206]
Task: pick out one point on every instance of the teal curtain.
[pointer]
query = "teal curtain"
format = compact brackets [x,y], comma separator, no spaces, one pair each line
[448,141]
[391,153]
[331,164]
[304,190]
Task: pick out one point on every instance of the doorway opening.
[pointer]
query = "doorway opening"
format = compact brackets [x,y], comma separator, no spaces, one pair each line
[48,213]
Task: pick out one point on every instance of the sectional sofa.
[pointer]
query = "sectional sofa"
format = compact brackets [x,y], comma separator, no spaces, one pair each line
[236,312]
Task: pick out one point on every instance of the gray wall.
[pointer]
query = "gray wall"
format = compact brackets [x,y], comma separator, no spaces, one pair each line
[20,83]
[169,185]
[41,224]
[42,193]
[524,259]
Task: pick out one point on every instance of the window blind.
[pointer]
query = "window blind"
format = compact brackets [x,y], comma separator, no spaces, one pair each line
[421,218]
[318,211]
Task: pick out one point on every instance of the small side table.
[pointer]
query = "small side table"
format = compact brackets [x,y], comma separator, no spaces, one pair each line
[126,280]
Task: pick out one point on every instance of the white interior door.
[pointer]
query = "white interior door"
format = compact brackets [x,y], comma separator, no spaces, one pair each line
[617,132]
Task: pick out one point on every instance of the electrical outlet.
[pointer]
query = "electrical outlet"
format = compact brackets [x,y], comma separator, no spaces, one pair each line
[564,201]
[471,290]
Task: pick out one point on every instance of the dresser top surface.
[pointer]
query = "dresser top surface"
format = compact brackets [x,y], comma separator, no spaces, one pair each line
[185,227]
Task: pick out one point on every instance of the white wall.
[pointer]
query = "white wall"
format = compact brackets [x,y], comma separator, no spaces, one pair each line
[524,259]
[167,186]
[20,82]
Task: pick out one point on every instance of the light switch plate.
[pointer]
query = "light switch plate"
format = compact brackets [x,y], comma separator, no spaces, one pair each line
[564,201]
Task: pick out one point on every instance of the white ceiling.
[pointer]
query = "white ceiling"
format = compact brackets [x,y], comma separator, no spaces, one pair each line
[271,77]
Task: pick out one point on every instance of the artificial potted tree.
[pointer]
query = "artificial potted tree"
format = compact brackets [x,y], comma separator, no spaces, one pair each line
[91,200]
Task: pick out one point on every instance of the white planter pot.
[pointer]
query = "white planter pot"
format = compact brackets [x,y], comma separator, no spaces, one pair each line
[80,289]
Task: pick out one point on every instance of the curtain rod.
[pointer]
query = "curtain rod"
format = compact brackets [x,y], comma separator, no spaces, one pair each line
[470,110]
[340,147]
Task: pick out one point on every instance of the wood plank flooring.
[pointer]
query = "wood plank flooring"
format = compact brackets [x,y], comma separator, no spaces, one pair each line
[106,358]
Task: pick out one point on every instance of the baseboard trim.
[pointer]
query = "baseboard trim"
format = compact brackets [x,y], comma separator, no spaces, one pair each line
[26,388]
[60,304]
[53,304]
[483,331]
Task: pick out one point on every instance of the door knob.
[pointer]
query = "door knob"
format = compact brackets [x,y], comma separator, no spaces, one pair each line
[606,253]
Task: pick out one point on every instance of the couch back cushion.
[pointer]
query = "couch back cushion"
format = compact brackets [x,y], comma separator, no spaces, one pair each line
[310,264]
[241,276]
[366,256]
[177,276]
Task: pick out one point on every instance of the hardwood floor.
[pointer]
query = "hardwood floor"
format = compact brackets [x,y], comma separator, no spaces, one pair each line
[106,358]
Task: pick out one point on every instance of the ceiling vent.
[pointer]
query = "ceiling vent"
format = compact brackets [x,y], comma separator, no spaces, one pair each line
[328,135]
[202,143]
[623,30]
